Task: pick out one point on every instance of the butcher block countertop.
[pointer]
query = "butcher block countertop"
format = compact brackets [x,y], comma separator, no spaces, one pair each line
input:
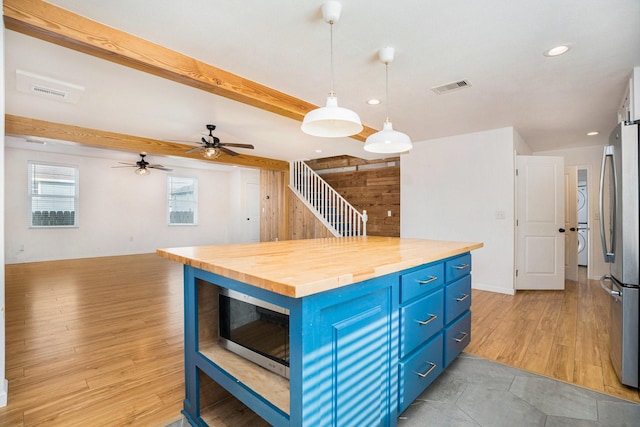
[298,268]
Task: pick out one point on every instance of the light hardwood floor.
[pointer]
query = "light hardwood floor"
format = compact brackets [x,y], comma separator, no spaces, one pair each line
[99,341]
[94,342]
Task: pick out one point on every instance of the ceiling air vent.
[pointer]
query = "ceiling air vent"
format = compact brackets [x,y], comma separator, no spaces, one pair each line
[449,87]
[47,87]
[47,91]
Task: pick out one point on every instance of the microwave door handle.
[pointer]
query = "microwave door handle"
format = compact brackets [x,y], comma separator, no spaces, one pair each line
[608,254]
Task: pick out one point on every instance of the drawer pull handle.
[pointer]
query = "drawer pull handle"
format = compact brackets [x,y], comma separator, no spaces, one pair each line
[463,297]
[464,335]
[429,280]
[433,366]
[461,266]
[431,318]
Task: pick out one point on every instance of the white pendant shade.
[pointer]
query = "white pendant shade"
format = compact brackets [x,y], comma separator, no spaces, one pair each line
[388,141]
[331,121]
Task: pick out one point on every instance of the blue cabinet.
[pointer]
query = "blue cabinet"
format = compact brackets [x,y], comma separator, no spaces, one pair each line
[359,354]
[435,323]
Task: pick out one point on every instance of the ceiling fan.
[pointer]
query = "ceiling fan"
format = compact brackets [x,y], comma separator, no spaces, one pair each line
[211,147]
[142,166]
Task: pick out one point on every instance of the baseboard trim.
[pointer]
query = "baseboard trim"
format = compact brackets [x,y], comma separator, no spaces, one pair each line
[483,287]
[4,392]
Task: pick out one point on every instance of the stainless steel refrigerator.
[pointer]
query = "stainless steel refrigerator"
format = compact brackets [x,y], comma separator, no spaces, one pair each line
[620,233]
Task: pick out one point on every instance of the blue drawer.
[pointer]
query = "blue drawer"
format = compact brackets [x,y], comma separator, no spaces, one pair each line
[419,371]
[421,281]
[458,267]
[420,320]
[457,298]
[456,338]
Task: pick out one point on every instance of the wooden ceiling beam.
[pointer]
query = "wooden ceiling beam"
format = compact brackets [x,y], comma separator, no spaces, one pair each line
[22,126]
[45,21]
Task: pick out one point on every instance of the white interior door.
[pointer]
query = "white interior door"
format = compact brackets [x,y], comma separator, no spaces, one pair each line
[540,222]
[571,223]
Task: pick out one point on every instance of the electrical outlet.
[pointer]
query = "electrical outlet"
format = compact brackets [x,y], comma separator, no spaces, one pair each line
[500,214]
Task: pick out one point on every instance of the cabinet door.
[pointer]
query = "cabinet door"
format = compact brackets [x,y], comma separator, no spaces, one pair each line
[458,267]
[457,337]
[421,282]
[420,320]
[419,371]
[457,298]
[348,377]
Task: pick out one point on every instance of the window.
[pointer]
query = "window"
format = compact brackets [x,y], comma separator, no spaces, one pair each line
[53,195]
[183,200]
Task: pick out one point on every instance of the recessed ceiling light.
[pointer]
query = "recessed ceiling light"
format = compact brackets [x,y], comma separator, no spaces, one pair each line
[556,51]
[318,151]
[373,101]
[592,133]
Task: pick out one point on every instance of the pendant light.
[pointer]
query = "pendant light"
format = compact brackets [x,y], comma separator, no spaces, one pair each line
[331,121]
[387,140]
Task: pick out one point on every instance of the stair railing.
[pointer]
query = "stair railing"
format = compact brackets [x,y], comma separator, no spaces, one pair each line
[338,215]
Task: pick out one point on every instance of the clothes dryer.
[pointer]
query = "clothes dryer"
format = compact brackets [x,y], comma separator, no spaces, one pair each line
[583,252]
[583,216]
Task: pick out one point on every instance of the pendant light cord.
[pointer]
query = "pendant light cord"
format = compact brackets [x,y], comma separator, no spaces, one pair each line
[386,73]
[332,93]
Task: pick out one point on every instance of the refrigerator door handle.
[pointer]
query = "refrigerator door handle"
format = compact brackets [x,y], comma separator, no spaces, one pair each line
[609,254]
[612,292]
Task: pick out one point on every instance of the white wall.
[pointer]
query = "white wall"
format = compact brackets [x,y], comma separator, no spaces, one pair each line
[455,188]
[119,212]
[589,158]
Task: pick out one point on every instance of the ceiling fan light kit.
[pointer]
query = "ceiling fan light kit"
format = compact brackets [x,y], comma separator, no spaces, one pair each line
[211,153]
[331,121]
[142,171]
[212,148]
[142,166]
[387,140]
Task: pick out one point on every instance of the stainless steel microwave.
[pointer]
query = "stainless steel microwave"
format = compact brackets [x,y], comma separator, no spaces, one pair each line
[255,329]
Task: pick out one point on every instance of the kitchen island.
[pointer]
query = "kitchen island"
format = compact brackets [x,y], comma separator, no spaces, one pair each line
[372,322]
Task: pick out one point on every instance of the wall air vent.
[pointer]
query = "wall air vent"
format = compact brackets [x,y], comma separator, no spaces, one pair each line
[450,87]
[47,87]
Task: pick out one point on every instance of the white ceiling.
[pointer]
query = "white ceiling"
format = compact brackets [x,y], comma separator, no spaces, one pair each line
[496,45]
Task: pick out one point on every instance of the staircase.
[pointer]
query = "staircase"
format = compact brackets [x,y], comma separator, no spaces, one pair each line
[330,208]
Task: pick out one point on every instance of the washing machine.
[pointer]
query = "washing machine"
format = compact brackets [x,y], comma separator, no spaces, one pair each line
[583,252]
[583,209]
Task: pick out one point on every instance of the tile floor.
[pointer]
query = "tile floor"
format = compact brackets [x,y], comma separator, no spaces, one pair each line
[477,392]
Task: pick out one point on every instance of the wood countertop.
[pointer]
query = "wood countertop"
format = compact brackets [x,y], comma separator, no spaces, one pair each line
[298,268]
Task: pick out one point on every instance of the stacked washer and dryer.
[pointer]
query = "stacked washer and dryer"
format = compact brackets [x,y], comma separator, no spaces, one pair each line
[583,224]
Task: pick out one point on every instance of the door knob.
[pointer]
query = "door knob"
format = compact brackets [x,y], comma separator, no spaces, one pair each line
[562,230]
[572,229]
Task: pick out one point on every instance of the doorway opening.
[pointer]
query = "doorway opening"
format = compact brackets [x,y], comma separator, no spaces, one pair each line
[583,218]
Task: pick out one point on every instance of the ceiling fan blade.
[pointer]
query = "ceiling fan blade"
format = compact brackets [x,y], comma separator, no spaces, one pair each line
[229,144]
[128,164]
[193,150]
[227,151]
[160,167]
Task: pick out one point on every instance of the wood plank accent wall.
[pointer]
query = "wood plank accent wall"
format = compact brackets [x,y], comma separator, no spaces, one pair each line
[274,202]
[371,185]
[303,223]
